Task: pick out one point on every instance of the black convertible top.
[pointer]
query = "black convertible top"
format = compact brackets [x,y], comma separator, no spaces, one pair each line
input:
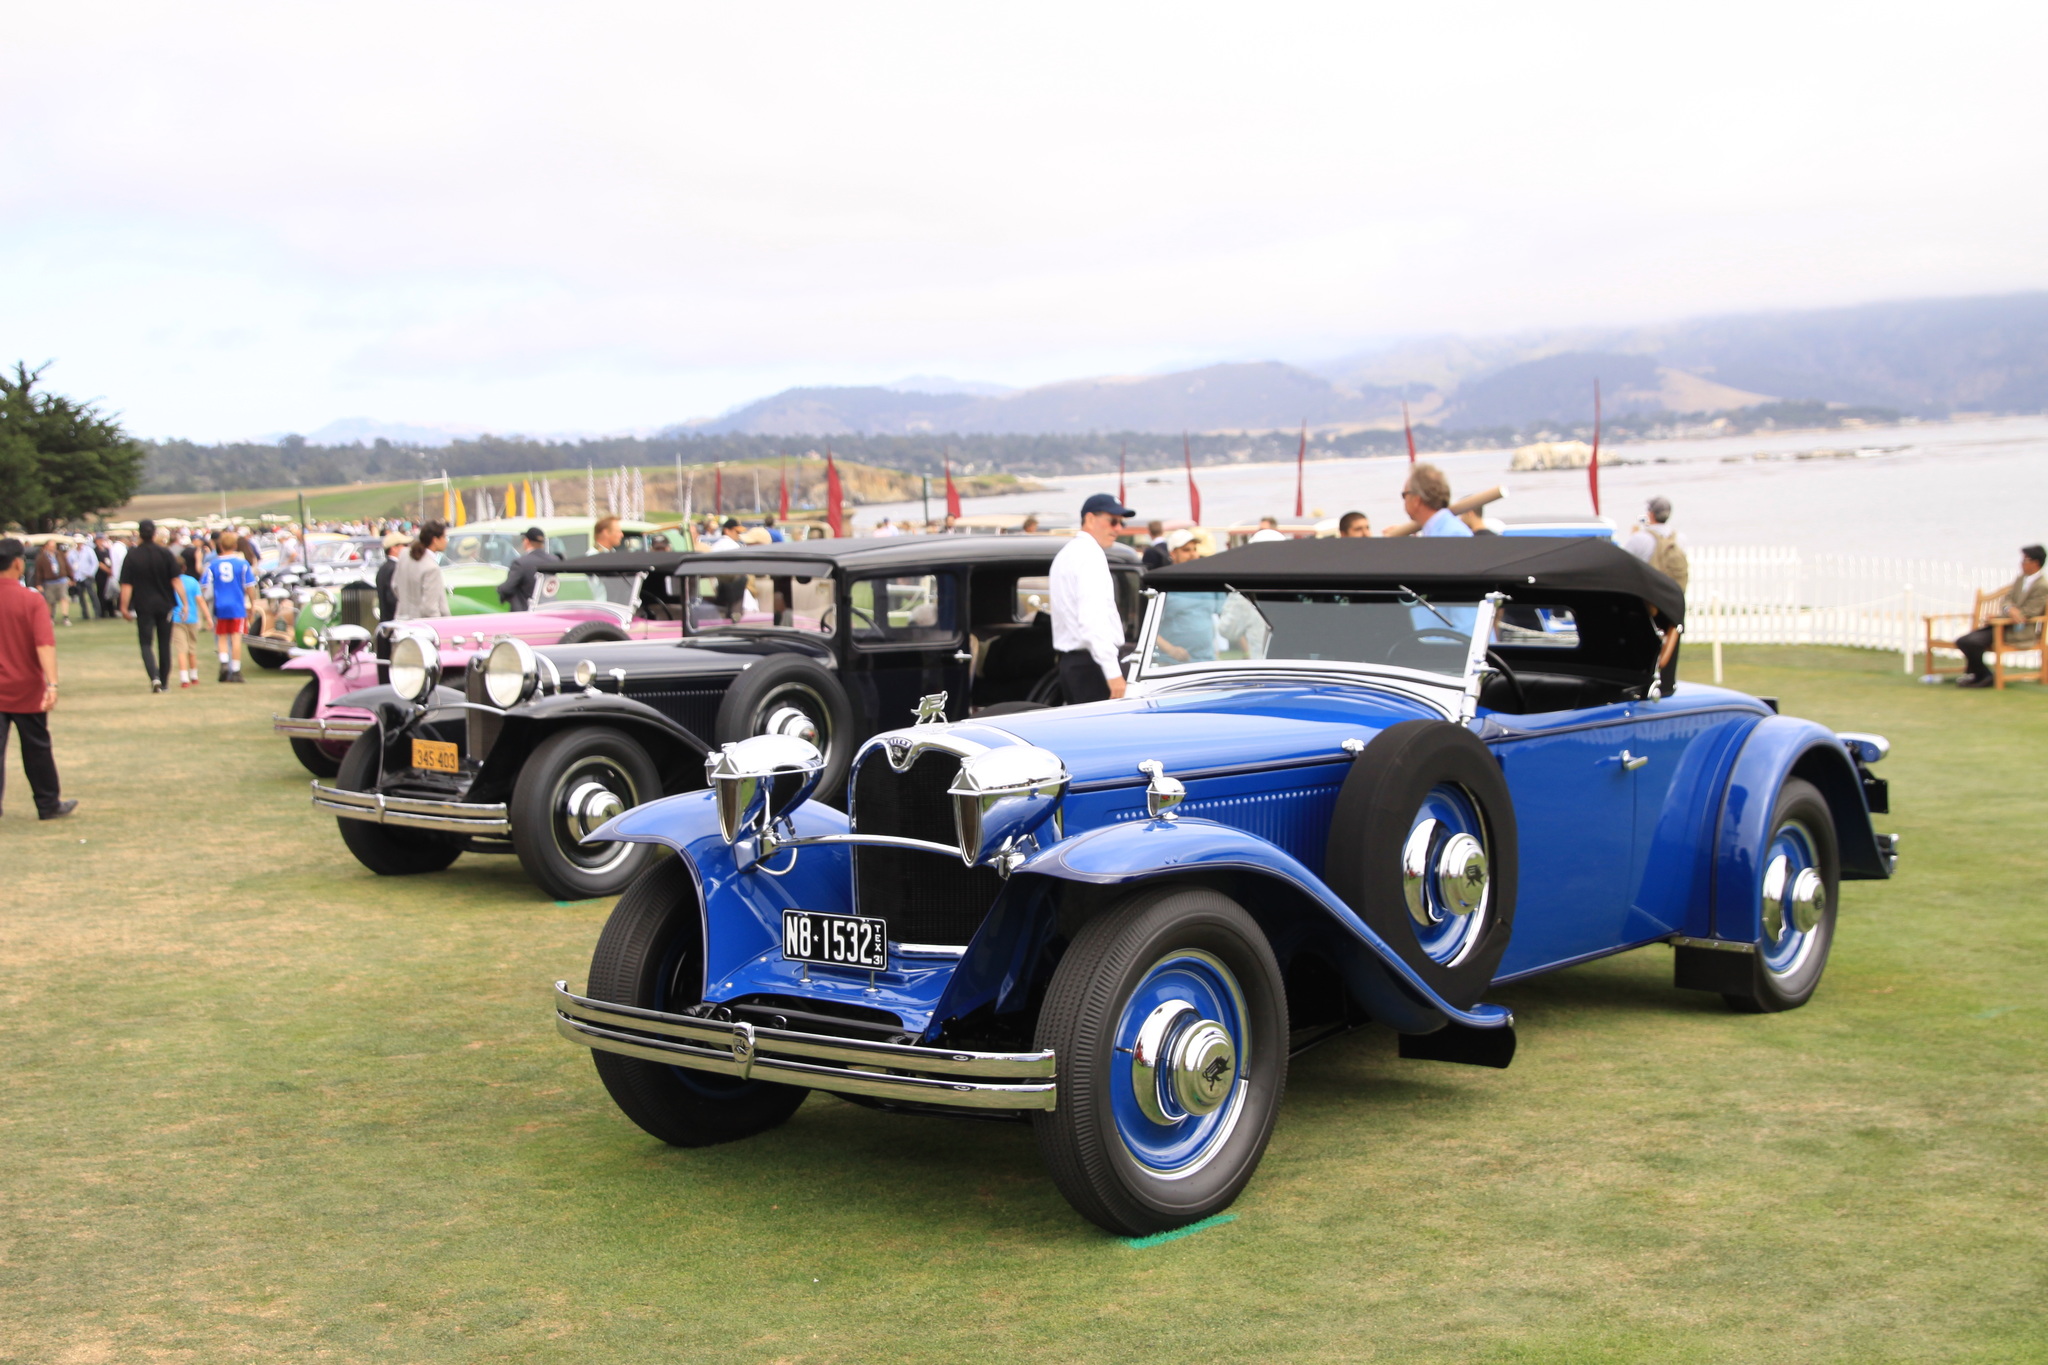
[1435,566]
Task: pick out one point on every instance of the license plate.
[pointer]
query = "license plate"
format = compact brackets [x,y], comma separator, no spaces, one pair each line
[436,757]
[835,940]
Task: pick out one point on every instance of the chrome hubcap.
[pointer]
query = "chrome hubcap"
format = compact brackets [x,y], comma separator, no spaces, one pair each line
[1182,1065]
[1799,898]
[791,721]
[588,805]
[1445,875]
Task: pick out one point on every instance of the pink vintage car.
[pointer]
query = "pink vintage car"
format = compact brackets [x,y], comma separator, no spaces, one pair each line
[596,597]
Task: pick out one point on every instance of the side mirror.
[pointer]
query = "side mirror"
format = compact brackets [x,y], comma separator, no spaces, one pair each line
[759,781]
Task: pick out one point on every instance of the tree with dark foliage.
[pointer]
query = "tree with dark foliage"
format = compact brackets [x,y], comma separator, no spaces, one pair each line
[60,460]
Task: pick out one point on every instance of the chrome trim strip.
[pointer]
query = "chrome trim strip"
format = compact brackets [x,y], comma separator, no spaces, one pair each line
[312,727]
[775,846]
[449,817]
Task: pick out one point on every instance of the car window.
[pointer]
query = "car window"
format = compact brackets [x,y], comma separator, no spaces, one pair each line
[1034,594]
[1537,627]
[911,609]
[567,589]
[804,604]
[568,546]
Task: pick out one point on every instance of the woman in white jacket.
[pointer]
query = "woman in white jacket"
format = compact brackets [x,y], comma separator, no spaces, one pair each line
[417,580]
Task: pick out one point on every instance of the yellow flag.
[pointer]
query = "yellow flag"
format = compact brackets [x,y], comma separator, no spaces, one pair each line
[447,507]
[511,500]
[527,489]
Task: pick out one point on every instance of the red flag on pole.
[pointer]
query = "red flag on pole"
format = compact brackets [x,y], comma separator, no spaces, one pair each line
[1121,452]
[782,466]
[1194,493]
[952,493]
[1300,471]
[718,489]
[1408,431]
[835,504]
[1593,465]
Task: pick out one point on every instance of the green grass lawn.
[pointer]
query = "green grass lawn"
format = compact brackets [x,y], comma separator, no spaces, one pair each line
[260,1105]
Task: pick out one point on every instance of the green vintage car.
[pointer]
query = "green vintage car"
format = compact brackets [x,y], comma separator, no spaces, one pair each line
[479,554]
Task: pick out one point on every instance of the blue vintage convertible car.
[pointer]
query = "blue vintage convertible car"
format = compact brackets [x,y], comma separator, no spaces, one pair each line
[1351,781]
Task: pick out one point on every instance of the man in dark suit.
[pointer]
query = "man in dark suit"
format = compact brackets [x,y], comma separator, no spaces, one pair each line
[517,589]
[2026,601]
[387,594]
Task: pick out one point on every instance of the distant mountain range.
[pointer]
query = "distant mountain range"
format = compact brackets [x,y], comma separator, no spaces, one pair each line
[1926,357]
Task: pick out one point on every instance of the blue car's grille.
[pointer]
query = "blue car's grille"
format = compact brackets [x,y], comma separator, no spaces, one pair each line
[925,897]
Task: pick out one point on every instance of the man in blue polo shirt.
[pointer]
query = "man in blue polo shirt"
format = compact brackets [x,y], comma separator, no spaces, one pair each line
[1426,498]
[227,574]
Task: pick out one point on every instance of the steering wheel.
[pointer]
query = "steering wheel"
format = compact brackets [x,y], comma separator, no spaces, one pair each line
[1428,636]
[1514,683]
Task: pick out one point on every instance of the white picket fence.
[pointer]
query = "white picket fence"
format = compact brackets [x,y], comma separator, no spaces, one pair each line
[1770,595]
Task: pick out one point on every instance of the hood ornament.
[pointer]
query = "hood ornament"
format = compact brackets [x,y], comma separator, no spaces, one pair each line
[931,709]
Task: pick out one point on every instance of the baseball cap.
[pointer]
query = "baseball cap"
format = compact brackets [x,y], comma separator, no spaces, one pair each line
[1103,502]
[534,533]
[1176,539]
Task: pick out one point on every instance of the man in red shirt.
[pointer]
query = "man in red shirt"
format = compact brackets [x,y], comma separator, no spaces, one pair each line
[28,683]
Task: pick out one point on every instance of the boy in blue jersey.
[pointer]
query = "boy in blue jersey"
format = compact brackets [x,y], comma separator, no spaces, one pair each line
[228,575]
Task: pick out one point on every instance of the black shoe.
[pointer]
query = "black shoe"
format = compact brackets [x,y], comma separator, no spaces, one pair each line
[1975,682]
[234,676]
[64,808]
[157,685]
[223,674]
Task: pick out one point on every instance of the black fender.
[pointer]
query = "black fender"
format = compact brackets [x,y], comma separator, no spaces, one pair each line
[677,751]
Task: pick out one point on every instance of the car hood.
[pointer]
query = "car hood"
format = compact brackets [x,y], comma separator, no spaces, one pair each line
[1238,727]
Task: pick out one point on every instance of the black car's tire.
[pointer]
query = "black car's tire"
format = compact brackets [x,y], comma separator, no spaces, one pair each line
[1121,1167]
[593,632]
[554,804]
[1411,772]
[1790,961]
[387,850]
[790,694]
[313,755]
[651,955]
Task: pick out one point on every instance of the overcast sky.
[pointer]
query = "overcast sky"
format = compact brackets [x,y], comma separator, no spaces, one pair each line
[231,219]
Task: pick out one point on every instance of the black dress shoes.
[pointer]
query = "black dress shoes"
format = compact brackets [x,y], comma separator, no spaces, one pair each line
[64,808]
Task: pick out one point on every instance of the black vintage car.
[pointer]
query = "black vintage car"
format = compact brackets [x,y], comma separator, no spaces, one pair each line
[829,641]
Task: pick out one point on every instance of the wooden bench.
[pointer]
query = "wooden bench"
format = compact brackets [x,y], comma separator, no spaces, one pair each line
[1978,618]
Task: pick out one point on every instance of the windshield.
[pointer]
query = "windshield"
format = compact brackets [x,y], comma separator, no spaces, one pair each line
[572,589]
[324,552]
[1313,627]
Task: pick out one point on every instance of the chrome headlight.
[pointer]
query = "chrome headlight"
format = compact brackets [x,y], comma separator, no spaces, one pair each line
[319,602]
[761,780]
[343,641]
[511,673]
[1003,797]
[415,664]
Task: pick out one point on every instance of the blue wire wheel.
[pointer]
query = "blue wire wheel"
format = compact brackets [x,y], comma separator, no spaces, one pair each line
[1445,876]
[1182,1046]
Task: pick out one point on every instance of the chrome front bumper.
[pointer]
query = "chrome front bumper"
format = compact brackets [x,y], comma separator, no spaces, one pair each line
[312,727]
[445,817]
[851,1066]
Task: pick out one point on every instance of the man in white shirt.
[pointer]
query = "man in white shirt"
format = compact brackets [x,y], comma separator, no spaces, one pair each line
[1087,631]
[1426,498]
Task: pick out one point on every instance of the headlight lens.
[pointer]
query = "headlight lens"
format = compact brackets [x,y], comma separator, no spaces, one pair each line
[415,664]
[511,673]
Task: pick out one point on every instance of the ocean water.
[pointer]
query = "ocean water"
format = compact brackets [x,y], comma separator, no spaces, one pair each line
[1969,491]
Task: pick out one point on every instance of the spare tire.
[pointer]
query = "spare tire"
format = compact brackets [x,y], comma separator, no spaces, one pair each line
[792,694]
[1422,846]
[593,632]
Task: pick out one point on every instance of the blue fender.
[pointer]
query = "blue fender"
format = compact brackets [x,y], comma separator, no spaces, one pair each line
[1782,747]
[1145,850]
[742,911]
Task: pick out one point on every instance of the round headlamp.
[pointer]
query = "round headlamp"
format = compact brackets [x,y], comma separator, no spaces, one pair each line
[511,673]
[415,664]
[586,673]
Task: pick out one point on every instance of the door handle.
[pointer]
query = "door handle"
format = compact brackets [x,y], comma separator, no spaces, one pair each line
[1630,762]
[961,656]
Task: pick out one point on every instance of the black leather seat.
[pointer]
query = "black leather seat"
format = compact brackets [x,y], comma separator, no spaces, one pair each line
[1014,662]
